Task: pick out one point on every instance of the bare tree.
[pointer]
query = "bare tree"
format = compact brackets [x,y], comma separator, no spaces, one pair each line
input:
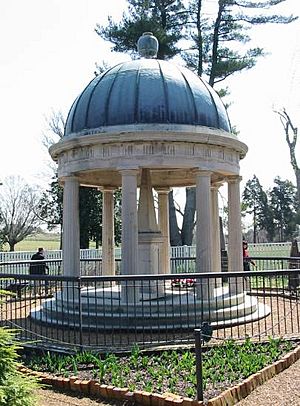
[291,133]
[18,210]
[55,128]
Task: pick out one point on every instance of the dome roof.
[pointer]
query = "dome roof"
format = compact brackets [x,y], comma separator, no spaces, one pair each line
[146,91]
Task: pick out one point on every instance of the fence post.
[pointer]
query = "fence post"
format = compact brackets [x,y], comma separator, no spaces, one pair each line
[198,352]
[80,315]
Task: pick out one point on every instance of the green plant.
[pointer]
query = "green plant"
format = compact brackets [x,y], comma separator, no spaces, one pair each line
[173,371]
[15,388]
[135,353]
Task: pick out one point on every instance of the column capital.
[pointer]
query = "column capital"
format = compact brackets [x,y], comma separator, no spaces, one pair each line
[129,171]
[163,190]
[234,179]
[72,177]
[217,185]
[109,189]
[200,172]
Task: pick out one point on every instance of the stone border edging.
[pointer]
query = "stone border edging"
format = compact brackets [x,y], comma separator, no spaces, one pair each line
[110,392]
[229,397]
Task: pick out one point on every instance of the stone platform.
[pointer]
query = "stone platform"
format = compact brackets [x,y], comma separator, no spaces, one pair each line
[104,308]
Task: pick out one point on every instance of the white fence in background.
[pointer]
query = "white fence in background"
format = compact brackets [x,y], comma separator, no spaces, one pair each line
[278,249]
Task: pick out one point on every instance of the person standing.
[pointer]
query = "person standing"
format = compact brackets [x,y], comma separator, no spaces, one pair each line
[246,259]
[39,267]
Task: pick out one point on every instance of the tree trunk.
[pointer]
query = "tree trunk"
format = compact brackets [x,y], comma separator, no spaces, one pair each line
[185,237]
[188,223]
[254,226]
[200,39]
[222,237]
[291,136]
[84,239]
[11,246]
[215,47]
[61,237]
[175,237]
[297,173]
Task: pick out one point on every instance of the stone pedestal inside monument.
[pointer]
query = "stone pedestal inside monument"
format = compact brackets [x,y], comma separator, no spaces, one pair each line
[150,261]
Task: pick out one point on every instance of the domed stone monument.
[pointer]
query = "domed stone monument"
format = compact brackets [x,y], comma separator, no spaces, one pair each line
[152,125]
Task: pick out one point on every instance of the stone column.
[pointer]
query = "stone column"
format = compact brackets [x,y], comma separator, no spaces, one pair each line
[204,233]
[163,222]
[216,243]
[235,255]
[108,244]
[129,232]
[71,242]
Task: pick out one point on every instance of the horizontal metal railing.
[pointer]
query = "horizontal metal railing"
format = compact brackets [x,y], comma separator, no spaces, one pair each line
[115,312]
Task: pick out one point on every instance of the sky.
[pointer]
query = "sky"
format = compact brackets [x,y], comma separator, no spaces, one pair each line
[48,53]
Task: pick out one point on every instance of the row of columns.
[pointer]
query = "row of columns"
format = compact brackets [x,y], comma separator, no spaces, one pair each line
[208,251]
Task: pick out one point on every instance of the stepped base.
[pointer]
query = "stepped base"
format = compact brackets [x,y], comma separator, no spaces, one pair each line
[104,309]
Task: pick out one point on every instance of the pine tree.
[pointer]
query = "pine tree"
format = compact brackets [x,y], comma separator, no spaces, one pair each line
[255,202]
[284,208]
[219,45]
[164,18]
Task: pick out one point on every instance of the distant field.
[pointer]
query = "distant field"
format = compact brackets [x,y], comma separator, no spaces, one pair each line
[48,241]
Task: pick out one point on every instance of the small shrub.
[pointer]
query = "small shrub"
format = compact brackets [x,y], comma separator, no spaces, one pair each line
[15,388]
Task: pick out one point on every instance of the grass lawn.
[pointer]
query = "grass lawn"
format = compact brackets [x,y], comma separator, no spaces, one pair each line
[49,241]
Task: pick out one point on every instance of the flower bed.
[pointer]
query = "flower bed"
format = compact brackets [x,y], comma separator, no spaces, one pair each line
[224,366]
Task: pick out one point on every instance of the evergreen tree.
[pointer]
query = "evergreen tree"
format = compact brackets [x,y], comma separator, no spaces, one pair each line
[51,205]
[90,216]
[216,49]
[284,208]
[165,18]
[255,202]
[16,389]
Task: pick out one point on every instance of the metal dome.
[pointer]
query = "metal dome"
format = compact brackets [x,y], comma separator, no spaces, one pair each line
[146,91]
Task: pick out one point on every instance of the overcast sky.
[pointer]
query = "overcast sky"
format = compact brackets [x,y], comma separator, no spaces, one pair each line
[48,54]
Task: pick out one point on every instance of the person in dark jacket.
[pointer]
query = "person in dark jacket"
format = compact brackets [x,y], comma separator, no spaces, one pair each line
[40,267]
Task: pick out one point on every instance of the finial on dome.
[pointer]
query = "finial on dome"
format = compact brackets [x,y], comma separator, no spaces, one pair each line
[147,45]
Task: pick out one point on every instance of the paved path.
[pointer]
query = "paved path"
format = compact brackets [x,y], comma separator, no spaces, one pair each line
[56,398]
[282,390]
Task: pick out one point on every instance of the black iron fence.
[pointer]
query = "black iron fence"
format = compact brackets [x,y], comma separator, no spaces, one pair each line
[114,313]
